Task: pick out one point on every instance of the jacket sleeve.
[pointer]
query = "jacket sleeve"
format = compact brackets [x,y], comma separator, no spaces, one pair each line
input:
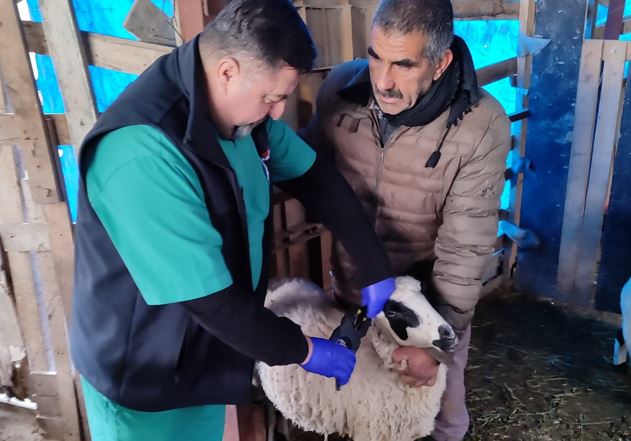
[465,242]
[329,199]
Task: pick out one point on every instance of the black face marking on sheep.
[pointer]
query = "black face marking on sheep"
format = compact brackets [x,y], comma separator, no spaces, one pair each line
[400,317]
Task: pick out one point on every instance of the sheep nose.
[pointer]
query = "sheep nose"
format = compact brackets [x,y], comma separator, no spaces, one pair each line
[448,339]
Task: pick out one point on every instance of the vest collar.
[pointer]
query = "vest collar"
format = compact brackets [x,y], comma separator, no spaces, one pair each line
[189,72]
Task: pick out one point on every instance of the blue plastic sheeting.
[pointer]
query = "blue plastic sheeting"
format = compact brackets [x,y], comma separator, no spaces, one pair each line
[100,16]
[490,41]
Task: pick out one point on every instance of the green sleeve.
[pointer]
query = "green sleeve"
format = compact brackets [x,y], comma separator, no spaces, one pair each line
[290,156]
[155,214]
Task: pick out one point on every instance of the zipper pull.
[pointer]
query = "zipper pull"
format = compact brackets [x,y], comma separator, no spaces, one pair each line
[433,159]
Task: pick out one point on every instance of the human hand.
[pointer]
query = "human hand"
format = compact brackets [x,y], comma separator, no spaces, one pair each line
[376,295]
[329,359]
[418,367]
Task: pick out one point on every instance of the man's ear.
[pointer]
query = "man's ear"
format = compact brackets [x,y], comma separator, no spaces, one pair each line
[443,63]
[227,70]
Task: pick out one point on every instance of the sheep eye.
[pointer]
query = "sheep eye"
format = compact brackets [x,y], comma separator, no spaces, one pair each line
[391,314]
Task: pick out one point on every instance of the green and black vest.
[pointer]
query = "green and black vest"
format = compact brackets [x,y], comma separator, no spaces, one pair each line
[154,358]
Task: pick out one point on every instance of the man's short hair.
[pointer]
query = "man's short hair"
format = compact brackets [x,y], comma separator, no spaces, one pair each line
[270,31]
[433,18]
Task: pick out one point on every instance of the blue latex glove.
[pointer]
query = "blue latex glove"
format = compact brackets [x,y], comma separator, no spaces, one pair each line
[330,359]
[376,295]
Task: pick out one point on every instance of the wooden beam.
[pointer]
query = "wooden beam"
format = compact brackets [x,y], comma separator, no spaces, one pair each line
[20,265]
[148,23]
[580,159]
[613,26]
[24,237]
[600,30]
[17,73]
[486,9]
[519,132]
[605,140]
[519,116]
[8,132]
[497,71]
[103,51]
[193,15]
[67,51]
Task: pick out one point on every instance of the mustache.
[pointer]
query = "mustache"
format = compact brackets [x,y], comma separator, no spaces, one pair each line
[390,93]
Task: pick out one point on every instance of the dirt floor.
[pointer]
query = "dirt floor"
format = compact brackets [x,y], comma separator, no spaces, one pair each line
[539,372]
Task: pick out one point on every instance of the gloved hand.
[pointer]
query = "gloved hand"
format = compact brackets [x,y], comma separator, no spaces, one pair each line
[376,295]
[330,359]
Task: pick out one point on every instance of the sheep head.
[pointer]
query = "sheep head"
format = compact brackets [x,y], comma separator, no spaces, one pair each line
[412,321]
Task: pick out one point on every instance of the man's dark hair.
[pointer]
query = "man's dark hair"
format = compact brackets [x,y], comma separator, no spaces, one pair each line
[270,31]
[433,18]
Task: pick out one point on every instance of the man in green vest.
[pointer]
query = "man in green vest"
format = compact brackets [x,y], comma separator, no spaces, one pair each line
[173,232]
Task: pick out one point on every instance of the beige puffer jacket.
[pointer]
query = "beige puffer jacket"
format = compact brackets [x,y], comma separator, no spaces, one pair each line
[446,215]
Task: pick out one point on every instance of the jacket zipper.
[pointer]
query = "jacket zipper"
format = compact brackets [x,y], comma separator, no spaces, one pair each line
[382,153]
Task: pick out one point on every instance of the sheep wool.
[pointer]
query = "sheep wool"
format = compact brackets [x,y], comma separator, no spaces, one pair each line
[375,405]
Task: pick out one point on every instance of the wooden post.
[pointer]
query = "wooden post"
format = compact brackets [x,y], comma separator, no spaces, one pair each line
[615,12]
[616,238]
[580,159]
[67,51]
[605,140]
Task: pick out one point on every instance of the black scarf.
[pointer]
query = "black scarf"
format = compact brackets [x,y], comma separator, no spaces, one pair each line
[457,89]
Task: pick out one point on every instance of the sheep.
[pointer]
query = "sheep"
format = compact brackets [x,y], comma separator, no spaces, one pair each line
[621,348]
[375,405]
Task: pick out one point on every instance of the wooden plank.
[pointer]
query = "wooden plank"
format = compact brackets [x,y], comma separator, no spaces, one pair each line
[578,173]
[497,71]
[326,246]
[44,383]
[66,403]
[345,34]
[12,348]
[613,26]
[192,15]
[148,23]
[104,51]
[519,131]
[612,275]
[231,424]
[606,137]
[600,30]
[251,421]
[486,9]
[24,99]
[25,237]
[298,254]
[3,100]
[28,310]
[67,51]
[361,16]
[8,132]
[20,265]
[61,244]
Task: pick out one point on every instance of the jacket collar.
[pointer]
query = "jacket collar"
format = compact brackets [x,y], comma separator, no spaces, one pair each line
[358,88]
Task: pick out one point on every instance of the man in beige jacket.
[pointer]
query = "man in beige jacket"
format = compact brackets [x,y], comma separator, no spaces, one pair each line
[424,148]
